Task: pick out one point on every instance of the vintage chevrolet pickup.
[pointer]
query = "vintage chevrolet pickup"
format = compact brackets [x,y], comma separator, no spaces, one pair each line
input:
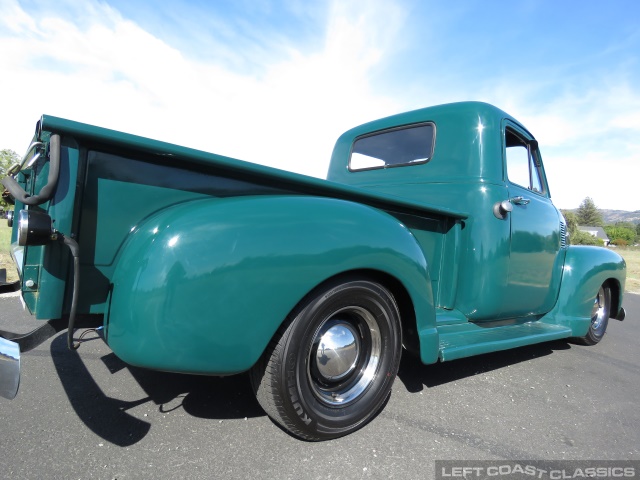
[434,234]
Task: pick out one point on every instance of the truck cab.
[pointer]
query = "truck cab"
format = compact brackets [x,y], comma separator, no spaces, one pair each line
[507,256]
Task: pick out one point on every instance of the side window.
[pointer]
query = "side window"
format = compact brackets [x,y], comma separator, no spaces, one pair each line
[523,165]
[392,148]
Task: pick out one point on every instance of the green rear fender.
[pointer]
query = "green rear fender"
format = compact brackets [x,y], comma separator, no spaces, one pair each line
[202,286]
[585,270]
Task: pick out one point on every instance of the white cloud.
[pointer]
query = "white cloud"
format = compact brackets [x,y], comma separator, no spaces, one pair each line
[590,139]
[106,70]
[92,65]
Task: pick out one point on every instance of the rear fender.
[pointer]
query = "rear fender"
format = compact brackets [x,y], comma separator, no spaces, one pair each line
[202,287]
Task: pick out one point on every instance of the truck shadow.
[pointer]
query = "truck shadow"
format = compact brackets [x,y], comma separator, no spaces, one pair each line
[200,396]
[222,398]
[415,376]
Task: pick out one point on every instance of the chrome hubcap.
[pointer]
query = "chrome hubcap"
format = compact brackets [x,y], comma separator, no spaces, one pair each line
[344,356]
[337,352]
[599,310]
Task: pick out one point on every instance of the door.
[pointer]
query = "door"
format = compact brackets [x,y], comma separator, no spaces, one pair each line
[535,262]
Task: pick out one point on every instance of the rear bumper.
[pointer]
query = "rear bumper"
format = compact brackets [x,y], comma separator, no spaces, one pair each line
[13,344]
[9,368]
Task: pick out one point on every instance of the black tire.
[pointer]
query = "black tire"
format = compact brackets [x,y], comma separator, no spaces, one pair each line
[330,367]
[599,317]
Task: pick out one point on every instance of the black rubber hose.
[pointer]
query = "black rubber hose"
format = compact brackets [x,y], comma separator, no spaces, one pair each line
[48,190]
[75,252]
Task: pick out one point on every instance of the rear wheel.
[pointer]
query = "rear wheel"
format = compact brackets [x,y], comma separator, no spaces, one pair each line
[599,316]
[331,366]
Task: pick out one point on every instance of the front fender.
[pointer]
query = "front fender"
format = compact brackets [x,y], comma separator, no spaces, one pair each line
[202,286]
[585,270]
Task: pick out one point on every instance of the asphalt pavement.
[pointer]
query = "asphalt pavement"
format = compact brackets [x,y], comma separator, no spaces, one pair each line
[86,414]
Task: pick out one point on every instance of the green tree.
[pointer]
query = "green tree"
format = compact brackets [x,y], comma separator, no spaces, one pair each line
[572,221]
[620,234]
[629,225]
[8,158]
[584,238]
[588,214]
[576,237]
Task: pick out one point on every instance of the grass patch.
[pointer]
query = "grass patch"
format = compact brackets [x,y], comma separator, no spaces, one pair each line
[5,258]
[632,257]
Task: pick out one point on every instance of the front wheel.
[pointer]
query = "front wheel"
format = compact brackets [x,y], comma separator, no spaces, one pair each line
[599,316]
[331,366]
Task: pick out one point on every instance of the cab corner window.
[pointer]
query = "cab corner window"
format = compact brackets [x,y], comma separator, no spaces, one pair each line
[393,148]
[523,164]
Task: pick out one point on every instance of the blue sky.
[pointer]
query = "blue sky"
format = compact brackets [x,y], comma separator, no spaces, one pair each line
[277,82]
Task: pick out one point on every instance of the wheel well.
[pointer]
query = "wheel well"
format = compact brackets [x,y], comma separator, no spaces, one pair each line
[614,285]
[410,339]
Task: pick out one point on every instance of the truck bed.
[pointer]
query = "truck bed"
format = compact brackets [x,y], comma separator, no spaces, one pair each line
[169,154]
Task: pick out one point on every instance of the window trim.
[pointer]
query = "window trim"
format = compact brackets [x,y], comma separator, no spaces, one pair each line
[534,160]
[388,130]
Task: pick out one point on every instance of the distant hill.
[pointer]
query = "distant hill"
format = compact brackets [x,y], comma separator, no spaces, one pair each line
[613,216]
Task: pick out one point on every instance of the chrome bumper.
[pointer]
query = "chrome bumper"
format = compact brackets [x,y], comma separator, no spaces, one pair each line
[12,344]
[9,368]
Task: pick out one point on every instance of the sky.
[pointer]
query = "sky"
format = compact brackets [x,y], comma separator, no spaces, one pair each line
[277,82]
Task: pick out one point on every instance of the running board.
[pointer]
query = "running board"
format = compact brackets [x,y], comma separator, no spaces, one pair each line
[465,340]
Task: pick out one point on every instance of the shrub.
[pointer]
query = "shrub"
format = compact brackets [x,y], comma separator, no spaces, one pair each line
[584,238]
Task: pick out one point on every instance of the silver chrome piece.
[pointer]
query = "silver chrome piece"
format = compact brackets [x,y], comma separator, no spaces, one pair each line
[501,209]
[337,352]
[9,368]
[519,200]
[23,227]
[355,363]
[563,233]
[31,147]
[29,283]
[17,253]
[46,192]
[15,168]
[33,160]
[599,313]
[34,228]
[10,218]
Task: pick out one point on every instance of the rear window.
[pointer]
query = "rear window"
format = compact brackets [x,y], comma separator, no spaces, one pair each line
[393,148]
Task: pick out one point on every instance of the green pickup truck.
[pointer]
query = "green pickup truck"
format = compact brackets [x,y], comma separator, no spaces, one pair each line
[434,235]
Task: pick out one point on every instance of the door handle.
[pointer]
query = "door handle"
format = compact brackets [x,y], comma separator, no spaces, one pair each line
[519,200]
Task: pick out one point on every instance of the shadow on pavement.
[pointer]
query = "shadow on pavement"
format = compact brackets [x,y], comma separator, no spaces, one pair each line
[199,396]
[415,376]
[229,397]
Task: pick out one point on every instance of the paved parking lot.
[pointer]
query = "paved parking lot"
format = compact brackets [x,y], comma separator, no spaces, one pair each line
[86,414]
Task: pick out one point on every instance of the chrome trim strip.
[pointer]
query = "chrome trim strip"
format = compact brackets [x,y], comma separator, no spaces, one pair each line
[31,147]
[17,253]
